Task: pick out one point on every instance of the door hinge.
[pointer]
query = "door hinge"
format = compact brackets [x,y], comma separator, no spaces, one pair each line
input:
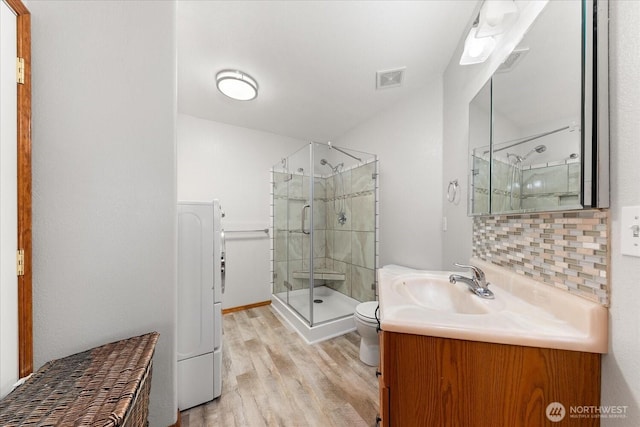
[20,262]
[20,70]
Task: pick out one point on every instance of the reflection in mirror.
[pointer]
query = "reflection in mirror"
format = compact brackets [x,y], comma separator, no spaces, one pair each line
[537,101]
[479,143]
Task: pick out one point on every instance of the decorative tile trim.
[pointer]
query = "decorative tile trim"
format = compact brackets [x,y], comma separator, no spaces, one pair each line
[568,250]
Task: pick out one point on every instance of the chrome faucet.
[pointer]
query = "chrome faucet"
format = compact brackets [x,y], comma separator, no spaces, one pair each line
[477,283]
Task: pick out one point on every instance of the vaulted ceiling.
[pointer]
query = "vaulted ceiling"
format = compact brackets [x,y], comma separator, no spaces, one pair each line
[315,61]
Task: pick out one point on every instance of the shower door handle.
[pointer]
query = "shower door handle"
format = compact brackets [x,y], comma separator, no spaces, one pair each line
[303,218]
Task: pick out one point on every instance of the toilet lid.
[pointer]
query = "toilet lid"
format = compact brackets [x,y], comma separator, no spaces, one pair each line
[367,309]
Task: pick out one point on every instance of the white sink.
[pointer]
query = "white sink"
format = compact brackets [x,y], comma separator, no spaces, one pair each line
[523,312]
[434,292]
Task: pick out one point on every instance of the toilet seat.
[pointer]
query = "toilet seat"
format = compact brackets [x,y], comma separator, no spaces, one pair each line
[366,311]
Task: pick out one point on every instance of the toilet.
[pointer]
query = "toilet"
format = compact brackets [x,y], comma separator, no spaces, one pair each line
[367,326]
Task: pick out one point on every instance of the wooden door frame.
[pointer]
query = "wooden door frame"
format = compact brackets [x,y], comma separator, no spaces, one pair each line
[25,301]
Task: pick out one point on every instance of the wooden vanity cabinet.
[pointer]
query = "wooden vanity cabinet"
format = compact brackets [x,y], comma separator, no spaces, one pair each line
[430,381]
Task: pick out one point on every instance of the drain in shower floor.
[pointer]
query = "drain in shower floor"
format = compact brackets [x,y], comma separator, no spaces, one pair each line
[318,301]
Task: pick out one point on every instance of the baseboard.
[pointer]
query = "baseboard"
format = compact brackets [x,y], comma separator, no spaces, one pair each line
[245,307]
[177,423]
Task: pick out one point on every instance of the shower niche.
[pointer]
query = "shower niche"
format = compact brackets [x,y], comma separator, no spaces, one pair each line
[538,129]
[324,201]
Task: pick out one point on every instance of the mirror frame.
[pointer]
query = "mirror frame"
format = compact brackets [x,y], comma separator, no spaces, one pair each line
[595,105]
[474,162]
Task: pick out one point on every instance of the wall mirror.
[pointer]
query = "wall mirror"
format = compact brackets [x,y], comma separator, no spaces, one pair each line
[538,130]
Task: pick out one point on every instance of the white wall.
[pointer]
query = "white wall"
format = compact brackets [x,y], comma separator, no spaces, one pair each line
[621,367]
[104,212]
[407,137]
[233,164]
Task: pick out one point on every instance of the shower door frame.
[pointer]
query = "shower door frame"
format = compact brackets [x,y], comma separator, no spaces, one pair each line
[312,227]
[305,248]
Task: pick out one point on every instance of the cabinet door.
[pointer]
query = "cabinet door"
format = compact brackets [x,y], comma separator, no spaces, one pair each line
[447,382]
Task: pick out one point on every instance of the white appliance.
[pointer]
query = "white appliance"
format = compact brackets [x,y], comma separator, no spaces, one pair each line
[200,288]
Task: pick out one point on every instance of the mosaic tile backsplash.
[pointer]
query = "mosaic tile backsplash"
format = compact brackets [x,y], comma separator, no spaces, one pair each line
[568,250]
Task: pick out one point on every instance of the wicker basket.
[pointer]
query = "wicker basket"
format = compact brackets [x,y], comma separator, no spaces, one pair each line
[105,386]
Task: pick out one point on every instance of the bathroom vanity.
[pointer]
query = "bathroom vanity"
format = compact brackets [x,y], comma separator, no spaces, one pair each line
[529,357]
[538,142]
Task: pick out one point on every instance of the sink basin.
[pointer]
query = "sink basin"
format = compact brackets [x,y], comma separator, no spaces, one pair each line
[437,293]
[524,312]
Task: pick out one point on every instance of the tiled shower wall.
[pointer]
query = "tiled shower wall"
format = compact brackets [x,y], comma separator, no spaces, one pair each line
[348,248]
[544,187]
[551,186]
[568,250]
[351,246]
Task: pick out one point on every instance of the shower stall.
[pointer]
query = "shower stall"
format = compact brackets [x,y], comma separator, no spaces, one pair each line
[324,244]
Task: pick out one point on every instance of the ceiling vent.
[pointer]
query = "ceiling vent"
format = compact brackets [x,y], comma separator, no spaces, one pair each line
[389,78]
[512,60]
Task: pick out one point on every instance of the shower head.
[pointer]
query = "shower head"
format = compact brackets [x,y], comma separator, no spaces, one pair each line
[516,158]
[539,149]
[333,168]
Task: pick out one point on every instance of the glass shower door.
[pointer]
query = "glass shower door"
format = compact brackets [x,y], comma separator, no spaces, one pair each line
[293,230]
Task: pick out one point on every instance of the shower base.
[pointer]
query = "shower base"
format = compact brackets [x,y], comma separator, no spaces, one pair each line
[333,317]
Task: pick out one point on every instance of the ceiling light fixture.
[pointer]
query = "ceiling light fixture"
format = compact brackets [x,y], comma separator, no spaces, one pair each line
[237,85]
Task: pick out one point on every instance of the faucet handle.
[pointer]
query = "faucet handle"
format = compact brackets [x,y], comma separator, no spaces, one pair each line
[477,273]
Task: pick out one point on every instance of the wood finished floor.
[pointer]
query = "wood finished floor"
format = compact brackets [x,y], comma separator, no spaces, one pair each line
[271,377]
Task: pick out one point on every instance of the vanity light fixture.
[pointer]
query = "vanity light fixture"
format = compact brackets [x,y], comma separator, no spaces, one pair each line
[237,85]
[495,17]
[476,50]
